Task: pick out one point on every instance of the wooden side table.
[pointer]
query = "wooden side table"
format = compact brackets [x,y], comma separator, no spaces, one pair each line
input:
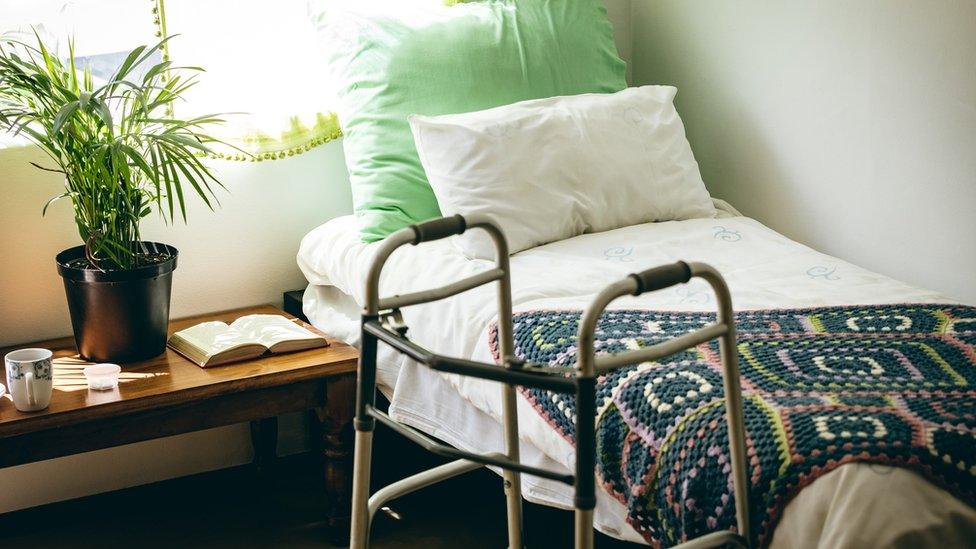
[169,395]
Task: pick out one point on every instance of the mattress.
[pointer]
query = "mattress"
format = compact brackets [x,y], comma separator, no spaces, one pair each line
[763,269]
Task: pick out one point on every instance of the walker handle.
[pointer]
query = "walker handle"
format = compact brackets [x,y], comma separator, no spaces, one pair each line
[439,228]
[658,278]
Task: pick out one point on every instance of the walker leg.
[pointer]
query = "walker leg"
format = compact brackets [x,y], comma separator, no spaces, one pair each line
[584,529]
[512,479]
[585,499]
[362,457]
[359,533]
[737,431]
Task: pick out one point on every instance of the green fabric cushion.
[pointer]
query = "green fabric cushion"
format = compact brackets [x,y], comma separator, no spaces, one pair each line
[407,59]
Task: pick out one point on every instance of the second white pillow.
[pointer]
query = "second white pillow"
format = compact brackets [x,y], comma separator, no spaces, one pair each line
[550,169]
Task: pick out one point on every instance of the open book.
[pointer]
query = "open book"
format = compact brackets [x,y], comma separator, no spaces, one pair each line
[251,336]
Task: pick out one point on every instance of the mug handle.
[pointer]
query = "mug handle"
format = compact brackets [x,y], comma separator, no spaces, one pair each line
[29,379]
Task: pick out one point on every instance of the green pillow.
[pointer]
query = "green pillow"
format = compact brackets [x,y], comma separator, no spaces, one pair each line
[389,60]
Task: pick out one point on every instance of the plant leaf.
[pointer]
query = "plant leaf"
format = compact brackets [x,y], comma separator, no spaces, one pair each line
[38,166]
[127,64]
[52,201]
[66,111]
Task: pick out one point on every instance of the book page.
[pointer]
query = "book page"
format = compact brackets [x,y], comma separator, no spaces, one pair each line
[269,330]
[214,337]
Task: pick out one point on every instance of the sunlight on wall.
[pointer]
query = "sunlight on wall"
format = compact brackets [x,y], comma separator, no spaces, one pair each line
[241,254]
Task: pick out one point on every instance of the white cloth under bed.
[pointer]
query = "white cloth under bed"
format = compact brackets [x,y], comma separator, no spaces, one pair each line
[857,505]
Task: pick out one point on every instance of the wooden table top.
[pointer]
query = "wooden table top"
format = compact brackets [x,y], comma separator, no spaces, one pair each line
[167,379]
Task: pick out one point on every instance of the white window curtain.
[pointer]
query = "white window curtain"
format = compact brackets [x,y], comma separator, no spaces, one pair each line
[260,60]
[100,27]
[259,57]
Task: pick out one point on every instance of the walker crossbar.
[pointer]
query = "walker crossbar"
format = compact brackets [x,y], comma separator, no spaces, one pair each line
[538,377]
[443,450]
[423,479]
[381,322]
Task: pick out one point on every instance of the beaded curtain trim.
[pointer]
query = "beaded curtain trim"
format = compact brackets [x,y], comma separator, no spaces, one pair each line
[892,384]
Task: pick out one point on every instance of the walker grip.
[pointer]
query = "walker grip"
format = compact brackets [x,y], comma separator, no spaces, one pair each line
[439,228]
[661,277]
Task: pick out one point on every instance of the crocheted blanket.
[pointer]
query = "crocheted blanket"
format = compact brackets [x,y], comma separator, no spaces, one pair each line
[894,385]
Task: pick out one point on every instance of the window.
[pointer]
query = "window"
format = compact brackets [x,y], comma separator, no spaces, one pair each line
[259,58]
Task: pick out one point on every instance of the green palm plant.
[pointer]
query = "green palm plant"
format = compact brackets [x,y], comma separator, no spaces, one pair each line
[122,152]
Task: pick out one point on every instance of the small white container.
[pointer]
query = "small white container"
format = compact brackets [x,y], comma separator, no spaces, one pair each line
[102,377]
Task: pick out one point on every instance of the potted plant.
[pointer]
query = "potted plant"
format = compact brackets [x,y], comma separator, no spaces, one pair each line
[123,155]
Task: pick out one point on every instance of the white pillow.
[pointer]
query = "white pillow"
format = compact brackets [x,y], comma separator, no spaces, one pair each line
[550,169]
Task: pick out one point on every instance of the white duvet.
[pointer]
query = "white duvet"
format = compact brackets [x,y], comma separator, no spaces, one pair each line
[763,270]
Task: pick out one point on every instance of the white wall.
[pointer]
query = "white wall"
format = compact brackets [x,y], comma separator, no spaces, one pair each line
[619,12]
[849,126]
[242,254]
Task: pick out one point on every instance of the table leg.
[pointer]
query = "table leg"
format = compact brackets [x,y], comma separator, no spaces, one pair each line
[335,435]
[264,438]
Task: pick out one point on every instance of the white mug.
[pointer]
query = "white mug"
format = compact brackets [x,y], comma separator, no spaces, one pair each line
[30,378]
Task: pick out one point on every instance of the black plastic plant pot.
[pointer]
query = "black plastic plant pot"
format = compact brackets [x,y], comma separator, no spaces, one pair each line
[119,315]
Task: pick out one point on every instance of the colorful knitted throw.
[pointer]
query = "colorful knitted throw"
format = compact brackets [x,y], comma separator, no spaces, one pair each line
[893,385]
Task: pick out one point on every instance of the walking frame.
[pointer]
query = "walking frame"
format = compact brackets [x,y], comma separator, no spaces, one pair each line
[381,321]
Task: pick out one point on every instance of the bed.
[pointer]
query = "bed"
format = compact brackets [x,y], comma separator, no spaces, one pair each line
[519,112]
[891,506]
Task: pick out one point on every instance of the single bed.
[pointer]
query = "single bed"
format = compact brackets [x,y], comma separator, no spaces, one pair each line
[856,505]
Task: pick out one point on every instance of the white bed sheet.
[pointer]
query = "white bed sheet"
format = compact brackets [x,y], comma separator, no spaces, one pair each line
[763,270]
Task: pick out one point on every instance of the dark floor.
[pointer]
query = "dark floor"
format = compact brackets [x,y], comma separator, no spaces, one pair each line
[235,508]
